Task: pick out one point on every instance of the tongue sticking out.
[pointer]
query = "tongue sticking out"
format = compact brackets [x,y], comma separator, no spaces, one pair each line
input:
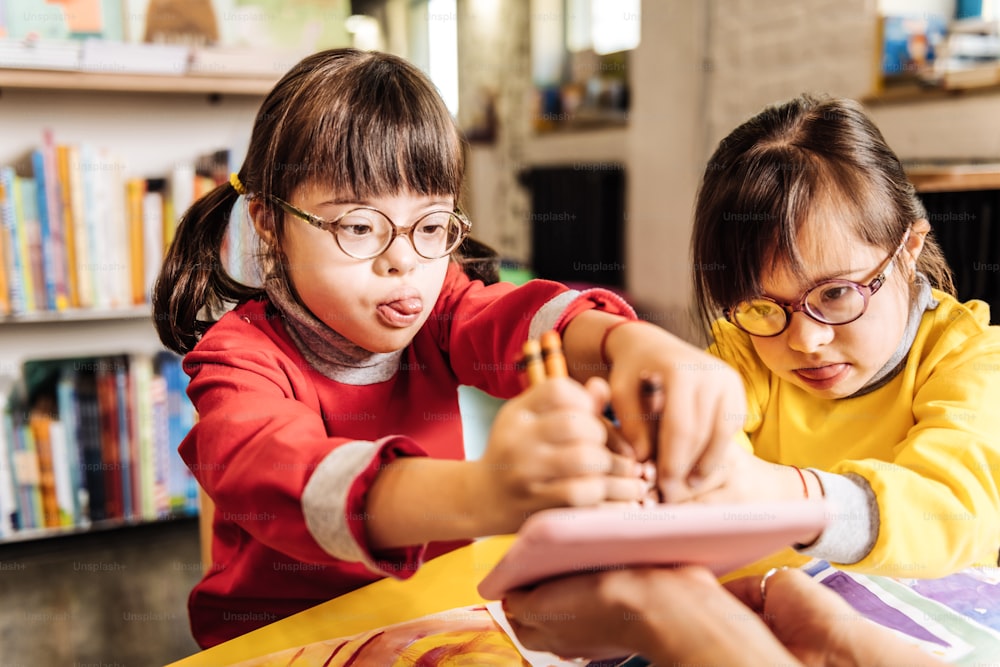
[822,373]
[402,312]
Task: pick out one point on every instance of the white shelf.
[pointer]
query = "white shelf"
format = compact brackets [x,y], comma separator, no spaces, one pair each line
[79,315]
[134,83]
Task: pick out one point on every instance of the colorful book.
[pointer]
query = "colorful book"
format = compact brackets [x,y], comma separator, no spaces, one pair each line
[29,249]
[67,406]
[88,430]
[161,445]
[153,222]
[144,461]
[81,241]
[89,242]
[64,181]
[54,209]
[181,484]
[39,421]
[27,471]
[50,234]
[12,255]
[126,444]
[61,464]
[107,402]
[135,191]
[7,248]
[8,500]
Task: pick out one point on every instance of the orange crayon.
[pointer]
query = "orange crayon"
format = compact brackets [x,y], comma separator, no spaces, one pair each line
[533,364]
[552,355]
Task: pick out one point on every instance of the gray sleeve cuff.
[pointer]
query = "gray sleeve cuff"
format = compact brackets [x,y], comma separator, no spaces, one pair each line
[547,316]
[852,523]
[324,501]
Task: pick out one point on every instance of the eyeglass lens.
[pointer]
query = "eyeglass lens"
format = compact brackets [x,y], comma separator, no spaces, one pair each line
[364,233]
[833,302]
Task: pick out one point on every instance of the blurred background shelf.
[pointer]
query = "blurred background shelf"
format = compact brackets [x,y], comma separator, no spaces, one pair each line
[146,83]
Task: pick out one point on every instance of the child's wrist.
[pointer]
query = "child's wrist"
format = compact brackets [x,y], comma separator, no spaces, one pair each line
[605,346]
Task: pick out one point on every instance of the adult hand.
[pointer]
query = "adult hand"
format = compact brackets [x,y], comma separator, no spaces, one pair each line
[672,616]
[819,627]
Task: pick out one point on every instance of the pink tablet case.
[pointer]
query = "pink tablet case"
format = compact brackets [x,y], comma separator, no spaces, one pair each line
[721,537]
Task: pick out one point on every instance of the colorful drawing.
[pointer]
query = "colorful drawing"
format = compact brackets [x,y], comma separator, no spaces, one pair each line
[972,593]
[463,637]
[954,618]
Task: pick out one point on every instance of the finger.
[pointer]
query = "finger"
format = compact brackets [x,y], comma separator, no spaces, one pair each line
[682,437]
[633,424]
[617,442]
[556,394]
[709,472]
[572,492]
[600,392]
[566,427]
[626,467]
[625,489]
[747,591]
[712,460]
[573,460]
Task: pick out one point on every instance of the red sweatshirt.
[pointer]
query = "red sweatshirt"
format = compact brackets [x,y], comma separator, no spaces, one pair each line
[288,455]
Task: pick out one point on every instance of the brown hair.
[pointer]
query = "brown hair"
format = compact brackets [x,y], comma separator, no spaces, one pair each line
[767,177]
[365,124]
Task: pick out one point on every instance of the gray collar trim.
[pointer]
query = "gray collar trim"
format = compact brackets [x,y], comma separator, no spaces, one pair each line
[329,353]
[924,302]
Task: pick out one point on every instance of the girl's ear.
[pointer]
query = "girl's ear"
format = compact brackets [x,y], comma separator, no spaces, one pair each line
[260,215]
[915,241]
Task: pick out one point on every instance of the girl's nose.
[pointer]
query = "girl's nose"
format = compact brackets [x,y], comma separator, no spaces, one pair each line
[399,257]
[806,334]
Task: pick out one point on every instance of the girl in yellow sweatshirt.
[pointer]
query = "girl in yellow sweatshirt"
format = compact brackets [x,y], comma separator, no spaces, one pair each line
[867,381]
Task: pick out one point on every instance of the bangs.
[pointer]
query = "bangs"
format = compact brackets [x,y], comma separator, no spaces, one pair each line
[379,129]
[764,204]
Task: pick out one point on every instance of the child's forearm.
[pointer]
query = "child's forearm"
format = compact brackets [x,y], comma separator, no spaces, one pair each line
[581,343]
[416,500]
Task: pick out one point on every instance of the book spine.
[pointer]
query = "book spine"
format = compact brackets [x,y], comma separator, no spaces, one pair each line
[181,484]
[45,238]
[135,190]
[161,445]
[13,258]
[62,478]
[127,458]
[141,367]
[8,501]
[64,181]
[81,243]
[23,197]
[89,434]
[107,399]
[53,204]
[68,407]
[153,231]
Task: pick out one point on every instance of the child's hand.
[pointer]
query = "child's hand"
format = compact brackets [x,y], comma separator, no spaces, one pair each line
[703,405]
[742,477]
[547,448]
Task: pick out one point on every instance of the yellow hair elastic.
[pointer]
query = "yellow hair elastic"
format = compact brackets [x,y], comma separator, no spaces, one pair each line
[234,181]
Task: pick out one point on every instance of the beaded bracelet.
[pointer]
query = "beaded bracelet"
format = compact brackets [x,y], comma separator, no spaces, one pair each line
[805,487]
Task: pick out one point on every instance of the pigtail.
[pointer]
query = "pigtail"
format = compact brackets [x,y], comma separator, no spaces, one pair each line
[193,281]
[478,260]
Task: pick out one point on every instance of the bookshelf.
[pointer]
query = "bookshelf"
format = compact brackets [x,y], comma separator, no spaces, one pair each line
[152,123]
[134,83]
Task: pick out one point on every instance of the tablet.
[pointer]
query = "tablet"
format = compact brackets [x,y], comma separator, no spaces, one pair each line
[722,537]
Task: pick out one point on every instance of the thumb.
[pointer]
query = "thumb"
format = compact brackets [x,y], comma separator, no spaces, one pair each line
[600,392]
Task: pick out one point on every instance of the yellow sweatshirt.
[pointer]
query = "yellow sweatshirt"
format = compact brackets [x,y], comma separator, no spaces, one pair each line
[925,446]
